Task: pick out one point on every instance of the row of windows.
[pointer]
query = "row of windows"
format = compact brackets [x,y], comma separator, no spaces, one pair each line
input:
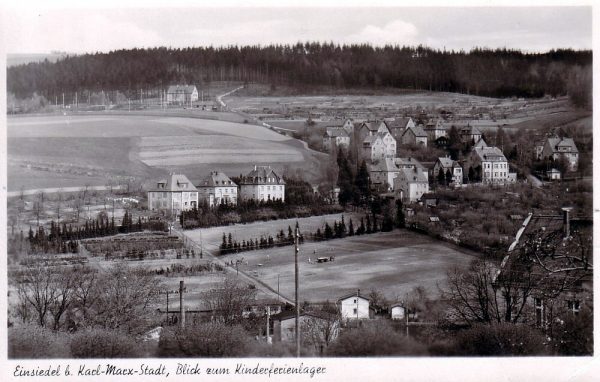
[268,188]
[496,165]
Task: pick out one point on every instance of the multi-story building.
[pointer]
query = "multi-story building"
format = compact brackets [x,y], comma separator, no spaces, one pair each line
[354,306]
[490,164]
[399,125]
[411,184]
[434,130]
[371,128]
[182,94]
[446,164]
[555,148]
[383,173]
[216,188]
[335,137]
[379,146]
[414,135]
[262,184]
[174,194]
[410,163]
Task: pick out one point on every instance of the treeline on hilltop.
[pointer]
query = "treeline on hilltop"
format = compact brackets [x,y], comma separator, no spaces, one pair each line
[486,72]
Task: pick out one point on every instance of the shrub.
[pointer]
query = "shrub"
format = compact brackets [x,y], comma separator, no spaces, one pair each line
[33,341]
[210,339]
[102,343]
[374,339]
[501,340]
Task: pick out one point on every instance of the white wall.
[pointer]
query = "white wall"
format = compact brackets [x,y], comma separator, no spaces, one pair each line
[354,307]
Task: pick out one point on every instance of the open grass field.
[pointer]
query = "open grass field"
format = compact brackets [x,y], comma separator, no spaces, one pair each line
[392,262]
[75,150]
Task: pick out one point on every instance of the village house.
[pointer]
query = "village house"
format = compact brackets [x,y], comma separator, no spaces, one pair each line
[182,94]
[434,130]
[490,164]
[216,188]
[481,143]
[371,128]
[552,293]
[553,174]
[174,194]
[382,173]
[349,126]
[335,137]
[262,184]
[470,133]
[354,306]
[398,125]
[414,135]
[411,163]
[555,148]
[411,184]
[398,312]
[379,146]
[446,164]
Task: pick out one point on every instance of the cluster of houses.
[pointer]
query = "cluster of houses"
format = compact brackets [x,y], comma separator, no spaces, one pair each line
[555,148]
[406,177]
[177,193]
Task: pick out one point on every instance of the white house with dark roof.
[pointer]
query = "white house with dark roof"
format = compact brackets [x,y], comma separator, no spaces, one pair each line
[411,184]
[411,163]
[262,184]
[414,135]
[370,128]
[379,146]
[335,137]
[446,164]
[383,173]
[354,306]
[399,125]
[470,133]
[182,94]
[217,188]
[555,147]
[175,194]
[492,164]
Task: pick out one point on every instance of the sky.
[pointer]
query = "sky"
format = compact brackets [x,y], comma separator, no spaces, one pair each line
[103,28]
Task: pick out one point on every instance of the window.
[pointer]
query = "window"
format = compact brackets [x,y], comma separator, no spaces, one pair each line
[354,311]
[355,301]
[573,306]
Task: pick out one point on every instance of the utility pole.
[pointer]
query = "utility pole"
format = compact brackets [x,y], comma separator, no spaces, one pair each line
[76,103]
[268,318]
[63,100]
[181,309]
[296,250]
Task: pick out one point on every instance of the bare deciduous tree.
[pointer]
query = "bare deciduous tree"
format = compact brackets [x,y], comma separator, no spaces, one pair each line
[229,299]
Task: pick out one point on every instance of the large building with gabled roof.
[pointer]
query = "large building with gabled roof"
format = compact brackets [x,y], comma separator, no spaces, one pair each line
[217,188]
[182,94]
[176,193]
[262,184]
[555,148]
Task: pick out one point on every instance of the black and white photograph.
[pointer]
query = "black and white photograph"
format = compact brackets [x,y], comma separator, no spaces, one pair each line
[287,188]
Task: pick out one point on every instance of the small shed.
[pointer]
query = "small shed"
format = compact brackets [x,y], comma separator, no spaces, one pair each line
[553,174]
[398,312]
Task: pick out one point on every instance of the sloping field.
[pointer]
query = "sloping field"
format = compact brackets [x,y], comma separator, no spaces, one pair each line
[55,151]
[392,262]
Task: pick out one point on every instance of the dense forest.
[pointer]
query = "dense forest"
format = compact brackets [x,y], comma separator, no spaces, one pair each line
[485,72]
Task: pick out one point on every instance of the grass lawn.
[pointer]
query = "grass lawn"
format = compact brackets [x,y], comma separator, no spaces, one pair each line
[392,262]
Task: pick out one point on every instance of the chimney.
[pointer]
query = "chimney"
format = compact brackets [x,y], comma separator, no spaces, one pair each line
[567,220]
[254,167]
[181,309]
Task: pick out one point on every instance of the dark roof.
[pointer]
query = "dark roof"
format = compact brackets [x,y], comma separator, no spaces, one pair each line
[417,131]
[556,142]
[262,175]
[216,179]
[353,294]
[175,183]
[290,314]
[335,131]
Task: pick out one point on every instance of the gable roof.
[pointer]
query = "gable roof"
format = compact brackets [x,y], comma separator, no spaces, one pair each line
[416,130]
[556,142]
[216,179]
[434,124]
[445,162]
[371,139]
[481,143]
[408,162]
[415,175]
[185,89]
[385,165]
[262,175]
[175,183]
[470,130]
[353,294]
[492,154]
[335,131]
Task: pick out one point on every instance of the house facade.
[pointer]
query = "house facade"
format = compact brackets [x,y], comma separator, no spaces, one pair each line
[371,128]
[379,146]
[262,184]
[216,188]
[491,164]
[446,164]
[411,163]
[411,184]
[414,135]
[399,125]
[335,137]
[354,306]
[555,148]
[383,173]
[349,126]
[398,312]
[470,134]
[434,130]
[174,194]
[182,94]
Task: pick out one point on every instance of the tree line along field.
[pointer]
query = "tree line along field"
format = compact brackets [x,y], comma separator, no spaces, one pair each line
[75,150]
